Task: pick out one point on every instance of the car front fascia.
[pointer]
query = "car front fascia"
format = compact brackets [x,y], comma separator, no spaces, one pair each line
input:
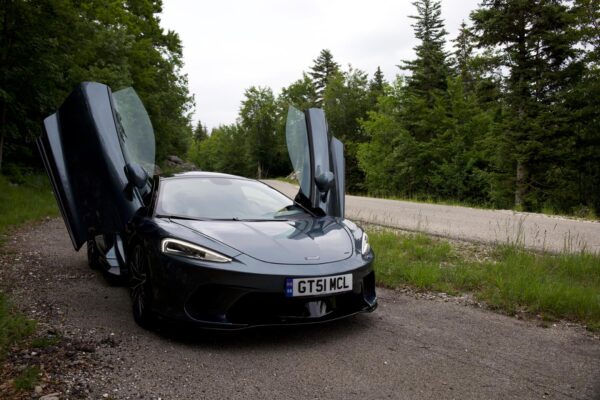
[177,281]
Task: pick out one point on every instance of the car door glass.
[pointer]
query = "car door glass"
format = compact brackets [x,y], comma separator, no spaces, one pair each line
[135,129]
[297,143]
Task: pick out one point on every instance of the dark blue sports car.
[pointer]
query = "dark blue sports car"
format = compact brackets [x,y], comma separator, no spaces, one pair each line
[218,250]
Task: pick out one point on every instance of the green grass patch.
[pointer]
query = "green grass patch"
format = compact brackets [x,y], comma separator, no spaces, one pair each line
[28,378]
[510,279]
[27,201]
[45,342]
[14,327]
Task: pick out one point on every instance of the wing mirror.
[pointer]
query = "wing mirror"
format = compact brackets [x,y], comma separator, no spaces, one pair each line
[136,175]
[324,183]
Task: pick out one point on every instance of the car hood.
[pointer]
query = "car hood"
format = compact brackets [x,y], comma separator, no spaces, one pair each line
[302,241]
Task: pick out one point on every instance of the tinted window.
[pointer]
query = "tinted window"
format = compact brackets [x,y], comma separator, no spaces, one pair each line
[297,143]
[135,129]
[222,198]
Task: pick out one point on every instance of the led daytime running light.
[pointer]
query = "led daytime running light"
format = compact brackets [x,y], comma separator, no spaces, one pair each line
[184,249]
[365,246]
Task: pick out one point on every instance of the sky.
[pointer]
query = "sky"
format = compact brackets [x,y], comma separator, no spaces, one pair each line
[231,45]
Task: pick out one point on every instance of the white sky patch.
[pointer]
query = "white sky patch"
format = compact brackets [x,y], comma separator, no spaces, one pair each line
[230,45]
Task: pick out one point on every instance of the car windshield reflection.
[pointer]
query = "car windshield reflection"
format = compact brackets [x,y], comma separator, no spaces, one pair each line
[223,199]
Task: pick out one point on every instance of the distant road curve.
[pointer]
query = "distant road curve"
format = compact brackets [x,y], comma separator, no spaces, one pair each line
[535,231]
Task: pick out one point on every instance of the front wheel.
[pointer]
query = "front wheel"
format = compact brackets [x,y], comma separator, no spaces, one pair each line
[141,288]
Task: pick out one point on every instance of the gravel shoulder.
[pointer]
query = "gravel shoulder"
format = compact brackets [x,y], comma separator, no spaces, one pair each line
[535,231]
[431,348]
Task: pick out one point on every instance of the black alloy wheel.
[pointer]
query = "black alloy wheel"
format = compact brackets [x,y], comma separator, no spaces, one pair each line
[141,287]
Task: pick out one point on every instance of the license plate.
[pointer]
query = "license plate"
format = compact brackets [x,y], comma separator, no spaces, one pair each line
[298,287]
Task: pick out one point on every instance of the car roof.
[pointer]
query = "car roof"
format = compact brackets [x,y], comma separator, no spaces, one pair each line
[201,174]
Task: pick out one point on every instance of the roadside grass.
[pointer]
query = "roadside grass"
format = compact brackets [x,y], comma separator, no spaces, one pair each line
[580,212]
[19,335]
[27,201]
[14,327]
[28,378]
[508,278]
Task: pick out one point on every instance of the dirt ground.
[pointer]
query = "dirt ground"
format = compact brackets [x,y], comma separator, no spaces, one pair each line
[427,347]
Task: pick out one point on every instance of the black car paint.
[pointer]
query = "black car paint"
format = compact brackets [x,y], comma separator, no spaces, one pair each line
[207,293]
[83,155]
[105,203]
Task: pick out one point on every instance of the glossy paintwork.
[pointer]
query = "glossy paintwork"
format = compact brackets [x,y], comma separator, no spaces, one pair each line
[82,152]
[263,255]
[297,241]
[325,161]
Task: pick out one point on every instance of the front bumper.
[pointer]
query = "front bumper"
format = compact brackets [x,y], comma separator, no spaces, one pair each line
[248,293]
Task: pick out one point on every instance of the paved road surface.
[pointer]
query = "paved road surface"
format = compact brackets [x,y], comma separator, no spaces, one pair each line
[536,231]
[409,348]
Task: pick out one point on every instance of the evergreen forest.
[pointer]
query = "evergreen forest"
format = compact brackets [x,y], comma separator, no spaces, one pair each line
[506,114]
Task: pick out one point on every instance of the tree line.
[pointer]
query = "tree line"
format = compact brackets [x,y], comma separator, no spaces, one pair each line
[506,114]
[49,46]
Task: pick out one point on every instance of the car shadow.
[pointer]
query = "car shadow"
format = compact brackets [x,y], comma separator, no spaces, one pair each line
[188,334]
[265,336]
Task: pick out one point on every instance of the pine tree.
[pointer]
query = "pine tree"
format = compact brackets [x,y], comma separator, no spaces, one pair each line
[324,67]
[537,43]
[429,70]
[584,102]
[427,85]
[378,82]
[200,132]
[376,87]
[463,56]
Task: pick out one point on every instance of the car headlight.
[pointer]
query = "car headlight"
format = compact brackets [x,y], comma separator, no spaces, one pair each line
[365,247]
[180,248]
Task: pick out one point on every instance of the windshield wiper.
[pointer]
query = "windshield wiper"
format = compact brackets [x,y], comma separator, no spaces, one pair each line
[173,216]
[187,218]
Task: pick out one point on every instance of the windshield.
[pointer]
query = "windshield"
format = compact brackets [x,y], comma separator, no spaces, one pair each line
[135,129]
[223,199]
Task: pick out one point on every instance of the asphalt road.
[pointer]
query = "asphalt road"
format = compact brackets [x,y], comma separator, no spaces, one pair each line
[409,348]
[535,231]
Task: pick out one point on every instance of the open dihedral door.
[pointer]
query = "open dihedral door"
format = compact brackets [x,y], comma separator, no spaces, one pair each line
[98,149]
[318,161]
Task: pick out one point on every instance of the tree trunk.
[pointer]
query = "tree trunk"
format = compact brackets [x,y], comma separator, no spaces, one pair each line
[521,184]
[2,131]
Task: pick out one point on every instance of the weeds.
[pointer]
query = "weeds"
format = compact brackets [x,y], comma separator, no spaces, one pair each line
[30,200]
[28,378]
[510,278]
[14,327]
[45,342]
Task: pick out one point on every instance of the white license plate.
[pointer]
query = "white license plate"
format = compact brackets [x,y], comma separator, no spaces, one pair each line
[298,287]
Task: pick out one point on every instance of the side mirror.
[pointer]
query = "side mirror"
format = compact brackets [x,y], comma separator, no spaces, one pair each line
[324,183]
[136,175]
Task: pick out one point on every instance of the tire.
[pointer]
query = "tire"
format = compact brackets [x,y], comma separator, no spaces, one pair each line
[141,288]
[92,255]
